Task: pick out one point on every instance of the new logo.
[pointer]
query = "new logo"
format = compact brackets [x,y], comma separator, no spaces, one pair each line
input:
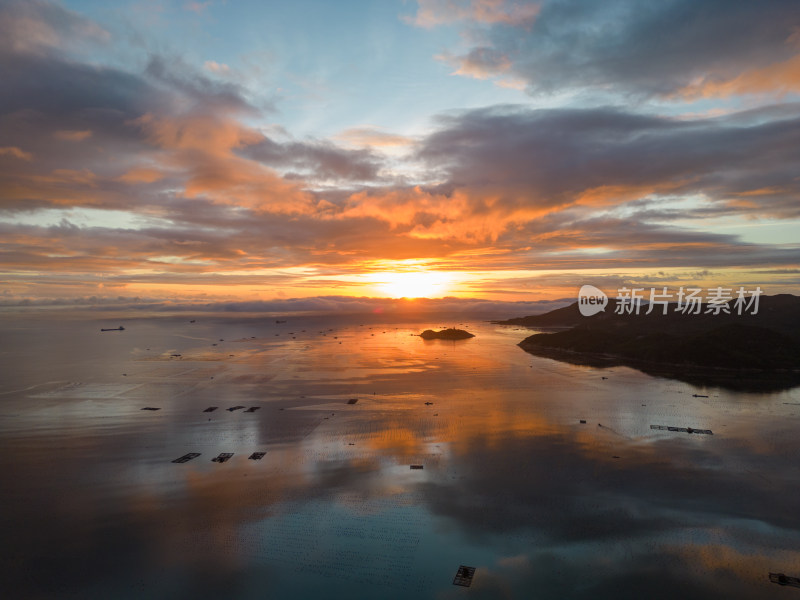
[591,300]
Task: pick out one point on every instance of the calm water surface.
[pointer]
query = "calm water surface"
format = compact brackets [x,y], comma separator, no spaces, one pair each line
[513,483]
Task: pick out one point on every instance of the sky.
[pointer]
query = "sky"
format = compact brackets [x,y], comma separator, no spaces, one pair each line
[500,150]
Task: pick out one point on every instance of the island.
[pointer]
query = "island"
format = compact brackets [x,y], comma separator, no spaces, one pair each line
[748,352]
[446,334]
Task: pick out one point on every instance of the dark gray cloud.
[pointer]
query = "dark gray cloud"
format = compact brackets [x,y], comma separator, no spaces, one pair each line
[207,94]
[631,242]
[642,48]
[316,160]
[605,156]
[41,27]
[44,95]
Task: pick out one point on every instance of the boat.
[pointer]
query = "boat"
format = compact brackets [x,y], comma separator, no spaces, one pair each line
[120,328]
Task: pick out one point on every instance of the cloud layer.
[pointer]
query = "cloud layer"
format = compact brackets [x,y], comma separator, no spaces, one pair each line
[137,179]
[670,48]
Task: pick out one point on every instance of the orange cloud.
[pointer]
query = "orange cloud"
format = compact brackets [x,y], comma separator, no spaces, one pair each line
[69,176]
[201,148]
[142,175]
[765,191]
[246,183]
[372,137]
[609,195]
[512,83]
[72,136]
[40,27]
[70,187]
[480,63]
[401,207]
[431,13]
[16,153]
[217,68]
[778,78]
[201,132]
[466,215]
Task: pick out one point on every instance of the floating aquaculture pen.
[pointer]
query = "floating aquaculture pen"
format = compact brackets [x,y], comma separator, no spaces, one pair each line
[464,576]
[782,579]
[186,457]
[682,429]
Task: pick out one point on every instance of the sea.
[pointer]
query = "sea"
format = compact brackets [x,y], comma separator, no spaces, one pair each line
[390,463]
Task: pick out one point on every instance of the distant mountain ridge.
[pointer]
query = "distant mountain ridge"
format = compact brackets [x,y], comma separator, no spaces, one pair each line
[780,312]
[763,348]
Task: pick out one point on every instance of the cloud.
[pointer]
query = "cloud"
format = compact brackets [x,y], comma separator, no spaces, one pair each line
[217,68]
[517,189]
[373,137]
[554,158]
[168,115]
[198,193]
[41,27]
[16,153]
[49,101]
[316,160]
[662,49]
[431,13]
[778,79]
[201,147]
[320,305]
[197,7]
[479,63]
[204,93]
[464,215]
[72,136]
[142,175]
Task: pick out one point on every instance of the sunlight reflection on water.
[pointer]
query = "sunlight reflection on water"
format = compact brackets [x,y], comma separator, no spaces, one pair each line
[512,482]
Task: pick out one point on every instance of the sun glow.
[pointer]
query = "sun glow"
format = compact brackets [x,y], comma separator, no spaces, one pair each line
[413,284]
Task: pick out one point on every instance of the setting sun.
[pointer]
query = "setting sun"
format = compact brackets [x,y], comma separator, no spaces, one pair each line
[423,284]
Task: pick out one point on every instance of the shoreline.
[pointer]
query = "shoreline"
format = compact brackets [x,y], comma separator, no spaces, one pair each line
[759,380]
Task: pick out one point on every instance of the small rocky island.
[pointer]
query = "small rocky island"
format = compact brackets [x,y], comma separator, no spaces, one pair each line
[446,334]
